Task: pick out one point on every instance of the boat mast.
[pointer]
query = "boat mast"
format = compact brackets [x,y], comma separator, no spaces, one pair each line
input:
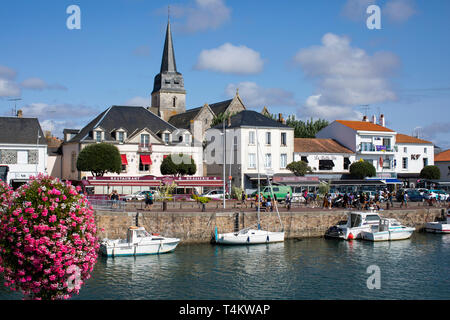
[257,166]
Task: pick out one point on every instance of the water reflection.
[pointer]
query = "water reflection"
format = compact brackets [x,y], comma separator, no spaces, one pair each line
[308,269]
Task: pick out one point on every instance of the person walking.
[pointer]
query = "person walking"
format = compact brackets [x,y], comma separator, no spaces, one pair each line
[269,203]
[244,198]
[305,195]
[288,200]
[149,200]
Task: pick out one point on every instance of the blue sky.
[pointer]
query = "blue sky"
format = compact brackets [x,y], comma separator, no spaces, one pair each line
[309,58]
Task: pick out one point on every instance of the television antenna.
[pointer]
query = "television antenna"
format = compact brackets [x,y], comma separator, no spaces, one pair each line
[14,111]
[365,108]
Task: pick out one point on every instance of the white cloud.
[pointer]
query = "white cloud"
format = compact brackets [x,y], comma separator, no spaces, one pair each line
[347,76]
[313,109]
[39,84]
[230,59]
[399,10]
[8,88]
[138,102]
[255,96]
[203,15]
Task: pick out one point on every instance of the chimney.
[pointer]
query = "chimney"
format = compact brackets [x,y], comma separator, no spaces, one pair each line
[19,114]
[365,119]
[374,119]
[280,118]
[382,121]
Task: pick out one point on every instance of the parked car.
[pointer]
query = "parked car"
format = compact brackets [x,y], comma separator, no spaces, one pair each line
[413,195]
[138,195]
[436,194]
[422,191]
[214,194]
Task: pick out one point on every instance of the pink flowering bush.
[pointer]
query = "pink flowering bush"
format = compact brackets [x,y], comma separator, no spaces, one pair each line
[48,239]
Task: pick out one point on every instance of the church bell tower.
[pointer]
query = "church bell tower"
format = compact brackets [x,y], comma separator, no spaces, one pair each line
[168,96]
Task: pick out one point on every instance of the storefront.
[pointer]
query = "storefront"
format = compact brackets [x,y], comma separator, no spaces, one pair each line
[129,185]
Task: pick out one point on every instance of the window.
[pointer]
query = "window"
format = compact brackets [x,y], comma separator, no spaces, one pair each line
[424,150]
[304,159]
[187,138]
[268,160]
[405,163]
[98,136]
[251,161]
[73,161]
[268,138]
[405,149]
[174,102]
[283,161]
[425,162]
[251,137]
[166,137]
[124,168]
[346,163]
[326,165]
[145,140]
[120,136]
[283,138]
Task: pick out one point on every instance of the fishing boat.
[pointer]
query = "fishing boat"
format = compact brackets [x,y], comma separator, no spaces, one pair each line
[356,223]
[138,242]
[388,230]
[439,226]
[254,234]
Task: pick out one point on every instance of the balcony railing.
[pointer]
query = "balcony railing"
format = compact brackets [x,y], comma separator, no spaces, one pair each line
[144,147]
[374,148]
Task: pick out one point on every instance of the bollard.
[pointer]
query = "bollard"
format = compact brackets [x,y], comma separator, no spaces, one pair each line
[164,206]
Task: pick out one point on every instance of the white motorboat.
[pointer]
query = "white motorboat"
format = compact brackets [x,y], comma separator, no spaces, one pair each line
[138,242]
[249,236]
[439,226]
[388,230]
[356,223]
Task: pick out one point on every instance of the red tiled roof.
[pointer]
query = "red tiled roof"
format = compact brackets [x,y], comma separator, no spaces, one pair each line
[443,156]
[403,138]
[311,145]
[363,126]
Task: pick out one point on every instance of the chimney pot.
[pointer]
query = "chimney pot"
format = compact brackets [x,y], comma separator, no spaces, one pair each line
[19,113]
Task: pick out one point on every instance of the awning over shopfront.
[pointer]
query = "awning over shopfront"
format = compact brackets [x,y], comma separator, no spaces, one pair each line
[145,159]
[254,176]
[124,159]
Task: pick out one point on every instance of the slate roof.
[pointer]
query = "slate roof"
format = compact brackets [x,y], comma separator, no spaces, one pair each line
[443,156]
[183,120]
[312,145]
[128,118]
[252,119]
[21,131]
[403,138]
[364,126]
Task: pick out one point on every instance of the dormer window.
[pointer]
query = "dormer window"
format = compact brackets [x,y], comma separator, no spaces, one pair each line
[166,137]
[145,140]
[187,138]
[120,136]
[98,136]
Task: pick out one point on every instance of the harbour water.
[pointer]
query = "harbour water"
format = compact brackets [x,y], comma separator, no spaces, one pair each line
[315,268]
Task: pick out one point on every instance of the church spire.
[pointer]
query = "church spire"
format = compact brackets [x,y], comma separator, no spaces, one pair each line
[168,63]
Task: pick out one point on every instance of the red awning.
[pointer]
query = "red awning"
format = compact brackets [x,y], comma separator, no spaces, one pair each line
[124,159]
[145,159]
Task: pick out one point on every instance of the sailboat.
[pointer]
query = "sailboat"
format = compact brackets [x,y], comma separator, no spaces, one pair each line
[253,234]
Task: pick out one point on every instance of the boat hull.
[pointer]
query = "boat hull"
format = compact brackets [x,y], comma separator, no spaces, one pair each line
[115,249]
[250,237]
[437,227]
[345,233]
[403,234]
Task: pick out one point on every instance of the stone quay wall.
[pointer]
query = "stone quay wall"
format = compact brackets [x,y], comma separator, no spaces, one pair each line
[198,227]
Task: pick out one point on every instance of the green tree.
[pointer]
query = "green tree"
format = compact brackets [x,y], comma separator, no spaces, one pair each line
[362,169]
[307,129]
[178,165]
[99,159]
[430,173]
[299,168]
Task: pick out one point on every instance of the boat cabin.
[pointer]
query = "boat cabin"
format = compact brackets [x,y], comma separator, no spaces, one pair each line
[358,219]
[385,224]
[135,234]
